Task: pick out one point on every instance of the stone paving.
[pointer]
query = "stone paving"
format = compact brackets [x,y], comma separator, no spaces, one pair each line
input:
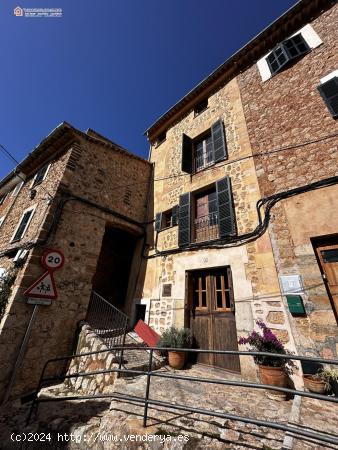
[94,423]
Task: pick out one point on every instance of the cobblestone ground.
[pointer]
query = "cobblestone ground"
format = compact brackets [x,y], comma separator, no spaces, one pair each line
[95,424]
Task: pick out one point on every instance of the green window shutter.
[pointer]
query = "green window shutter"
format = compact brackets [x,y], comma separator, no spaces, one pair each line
[226,211]
[186,154]
[174,217]
[184,226]
[218,141]
[329,93]
[158,221]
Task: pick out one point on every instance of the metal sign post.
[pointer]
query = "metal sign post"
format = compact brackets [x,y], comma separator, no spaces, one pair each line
[41,292]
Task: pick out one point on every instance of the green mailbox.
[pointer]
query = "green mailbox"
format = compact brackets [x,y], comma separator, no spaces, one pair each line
[295,303]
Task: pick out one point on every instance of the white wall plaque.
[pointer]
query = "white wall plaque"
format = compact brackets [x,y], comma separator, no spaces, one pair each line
[291,284]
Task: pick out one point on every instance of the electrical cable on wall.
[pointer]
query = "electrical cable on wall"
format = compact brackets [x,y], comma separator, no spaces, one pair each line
[268,202]
[221,164]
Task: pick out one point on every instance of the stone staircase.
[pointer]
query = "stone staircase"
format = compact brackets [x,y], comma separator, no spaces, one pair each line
[133,359]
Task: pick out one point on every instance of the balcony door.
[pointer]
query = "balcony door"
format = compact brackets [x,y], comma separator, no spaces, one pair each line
[206,218]
[210,314]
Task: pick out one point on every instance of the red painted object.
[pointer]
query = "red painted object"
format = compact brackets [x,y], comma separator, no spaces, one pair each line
[147,334]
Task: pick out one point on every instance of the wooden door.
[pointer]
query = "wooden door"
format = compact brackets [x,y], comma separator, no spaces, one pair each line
[327,255]
[212,317]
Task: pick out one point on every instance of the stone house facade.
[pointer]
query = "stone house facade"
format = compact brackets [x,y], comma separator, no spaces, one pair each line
[229,222]
[86,195]
[292,115]
[277,119]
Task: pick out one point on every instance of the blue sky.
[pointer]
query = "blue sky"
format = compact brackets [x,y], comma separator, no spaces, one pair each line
[113,65]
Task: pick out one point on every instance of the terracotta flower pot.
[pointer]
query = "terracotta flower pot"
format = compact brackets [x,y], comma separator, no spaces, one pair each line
[313,384]
[275,376]
[176,359]
[334,386]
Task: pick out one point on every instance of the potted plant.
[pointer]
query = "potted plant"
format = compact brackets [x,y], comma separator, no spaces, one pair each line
[325,380]
[176,338]
[272,370]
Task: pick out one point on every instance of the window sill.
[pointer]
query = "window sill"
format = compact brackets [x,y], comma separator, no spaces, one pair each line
[13,241]
[168,228]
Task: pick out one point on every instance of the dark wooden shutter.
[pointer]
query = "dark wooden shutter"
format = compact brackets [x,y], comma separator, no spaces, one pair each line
[184,220]
[226,212]
[174,216]
[186,154]
[329,92]
[158,221]
[218,141]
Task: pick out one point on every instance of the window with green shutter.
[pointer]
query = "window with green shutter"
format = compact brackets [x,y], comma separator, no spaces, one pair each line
[166,219]
[329,93]
[204,150]
[207,215]
[285,52]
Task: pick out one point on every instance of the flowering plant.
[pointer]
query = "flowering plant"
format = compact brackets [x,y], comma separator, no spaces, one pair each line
[267,341]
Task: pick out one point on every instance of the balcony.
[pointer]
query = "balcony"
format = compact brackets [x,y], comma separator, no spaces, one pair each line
[206,228]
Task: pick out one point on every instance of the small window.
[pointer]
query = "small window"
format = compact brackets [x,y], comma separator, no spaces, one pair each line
[2,198]
[23,225]
[161,138]
[201,106]
[17,189]
[329,93]
[286,51]
[166,290]
[1,220]
[40,175]
[166,219]
[330,256]
[204,150]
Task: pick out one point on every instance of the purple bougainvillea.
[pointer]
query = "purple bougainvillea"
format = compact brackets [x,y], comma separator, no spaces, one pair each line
[266,341]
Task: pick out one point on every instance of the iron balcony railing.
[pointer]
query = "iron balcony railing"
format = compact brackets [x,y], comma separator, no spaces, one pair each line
[146,401]
[206,227]
[108,322]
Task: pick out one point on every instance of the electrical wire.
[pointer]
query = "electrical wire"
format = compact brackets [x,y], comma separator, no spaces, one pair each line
[6,152]
[268,203]
[221,164]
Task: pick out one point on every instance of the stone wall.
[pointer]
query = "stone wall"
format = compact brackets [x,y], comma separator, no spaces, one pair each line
[88,341]
[109,177]
[286,115]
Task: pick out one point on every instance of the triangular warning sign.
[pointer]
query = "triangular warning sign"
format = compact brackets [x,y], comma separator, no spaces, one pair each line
[44,287]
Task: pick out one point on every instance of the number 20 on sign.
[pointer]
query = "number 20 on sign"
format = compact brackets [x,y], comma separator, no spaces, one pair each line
[52,260]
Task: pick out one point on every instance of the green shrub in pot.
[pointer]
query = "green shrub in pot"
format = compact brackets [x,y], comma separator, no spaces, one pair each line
[176,338]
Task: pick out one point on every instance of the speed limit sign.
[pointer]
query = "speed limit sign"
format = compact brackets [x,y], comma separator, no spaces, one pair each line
[52,259]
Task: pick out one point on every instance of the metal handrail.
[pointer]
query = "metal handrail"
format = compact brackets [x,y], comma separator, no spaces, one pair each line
[146,401]
[107,321]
